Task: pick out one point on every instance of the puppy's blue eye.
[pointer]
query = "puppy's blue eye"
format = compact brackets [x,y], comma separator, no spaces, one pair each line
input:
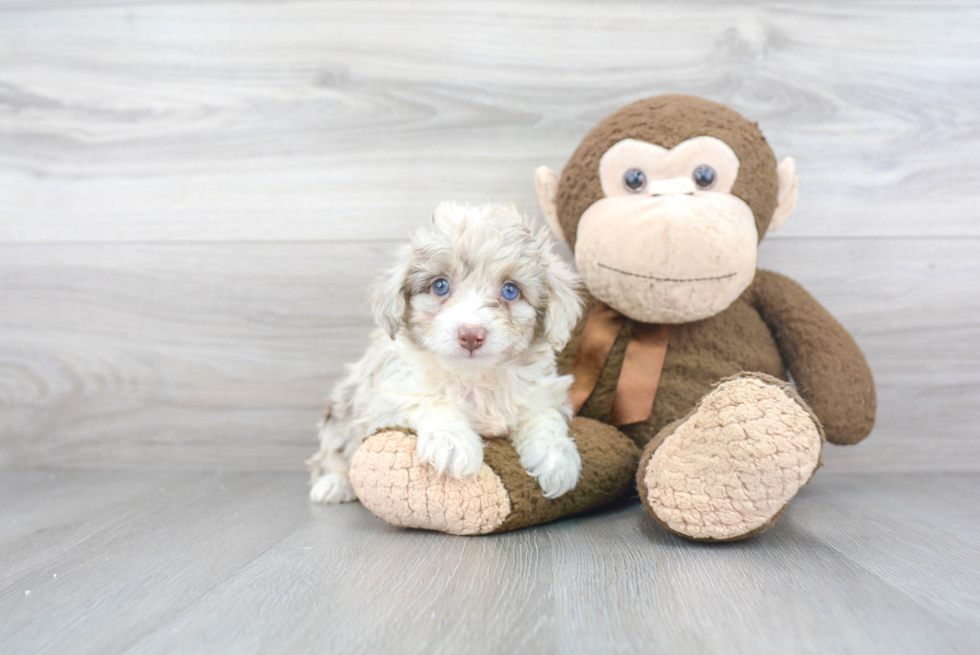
[510,291]
[440,287]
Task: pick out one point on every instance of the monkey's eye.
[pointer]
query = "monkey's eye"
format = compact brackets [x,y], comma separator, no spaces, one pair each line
[635,180]
[510,291]
[440,287]
[704,176]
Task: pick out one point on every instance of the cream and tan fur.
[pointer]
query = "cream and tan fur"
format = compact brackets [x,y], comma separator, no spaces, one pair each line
[423,370]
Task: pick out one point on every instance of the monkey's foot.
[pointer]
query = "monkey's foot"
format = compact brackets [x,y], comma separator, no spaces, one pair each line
[395,485]
[727,470]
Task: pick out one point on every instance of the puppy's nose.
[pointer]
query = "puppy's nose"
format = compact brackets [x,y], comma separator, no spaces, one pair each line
[471,337]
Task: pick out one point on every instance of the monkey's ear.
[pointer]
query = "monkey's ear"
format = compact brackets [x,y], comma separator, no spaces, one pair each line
[388,297]
[786,172]
[546,182]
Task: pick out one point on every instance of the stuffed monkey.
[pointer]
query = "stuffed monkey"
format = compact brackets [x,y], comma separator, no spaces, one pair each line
[683,360]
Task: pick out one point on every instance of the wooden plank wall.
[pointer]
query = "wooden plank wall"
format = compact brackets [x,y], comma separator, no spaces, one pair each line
[194,196]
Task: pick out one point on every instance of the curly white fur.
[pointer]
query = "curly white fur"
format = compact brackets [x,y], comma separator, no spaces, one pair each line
[418,374]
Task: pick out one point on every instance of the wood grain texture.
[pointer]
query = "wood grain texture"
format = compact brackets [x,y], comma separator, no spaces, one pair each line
[194,195]
[219,355]
[164,562]
[350,120]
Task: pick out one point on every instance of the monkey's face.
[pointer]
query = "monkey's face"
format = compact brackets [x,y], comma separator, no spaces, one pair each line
[668,242]
[664,204]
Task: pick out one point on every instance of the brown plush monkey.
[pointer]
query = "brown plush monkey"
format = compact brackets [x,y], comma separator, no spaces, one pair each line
[687,349]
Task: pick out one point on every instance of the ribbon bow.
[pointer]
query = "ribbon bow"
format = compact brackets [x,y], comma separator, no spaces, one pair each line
[642,364]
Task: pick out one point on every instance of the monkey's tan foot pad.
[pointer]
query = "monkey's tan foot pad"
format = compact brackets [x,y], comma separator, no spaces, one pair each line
[391,482]
[728,469]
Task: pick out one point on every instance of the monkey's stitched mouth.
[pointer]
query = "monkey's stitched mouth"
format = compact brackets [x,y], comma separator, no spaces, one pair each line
[668,279]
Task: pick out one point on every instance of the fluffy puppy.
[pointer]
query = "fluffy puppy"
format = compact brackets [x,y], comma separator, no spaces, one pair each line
[470,317]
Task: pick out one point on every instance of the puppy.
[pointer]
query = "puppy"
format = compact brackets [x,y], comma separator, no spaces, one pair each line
[471,317]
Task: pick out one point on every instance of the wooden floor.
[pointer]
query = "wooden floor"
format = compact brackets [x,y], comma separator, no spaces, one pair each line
[238,562]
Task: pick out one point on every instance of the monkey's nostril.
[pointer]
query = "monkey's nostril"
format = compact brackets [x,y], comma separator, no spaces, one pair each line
[471,337]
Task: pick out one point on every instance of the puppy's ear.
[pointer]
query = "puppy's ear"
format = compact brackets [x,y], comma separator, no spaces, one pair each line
[564,302]
[389,297]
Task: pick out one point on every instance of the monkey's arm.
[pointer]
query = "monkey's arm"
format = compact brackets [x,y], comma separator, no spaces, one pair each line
[829,369]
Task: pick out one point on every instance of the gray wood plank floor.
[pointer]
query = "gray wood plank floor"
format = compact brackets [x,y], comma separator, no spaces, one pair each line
[239,562]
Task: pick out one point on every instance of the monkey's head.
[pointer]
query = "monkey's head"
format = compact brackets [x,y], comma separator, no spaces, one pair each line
[664,204]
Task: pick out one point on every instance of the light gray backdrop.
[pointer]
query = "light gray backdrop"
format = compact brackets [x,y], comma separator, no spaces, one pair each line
[194,196]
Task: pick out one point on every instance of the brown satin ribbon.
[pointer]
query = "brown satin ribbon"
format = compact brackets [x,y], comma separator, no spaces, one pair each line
[640,375]
[642,364]
[601,329]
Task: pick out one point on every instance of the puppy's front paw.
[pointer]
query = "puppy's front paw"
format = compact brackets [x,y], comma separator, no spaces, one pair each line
[554,462]
[332,488]
[457,452]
